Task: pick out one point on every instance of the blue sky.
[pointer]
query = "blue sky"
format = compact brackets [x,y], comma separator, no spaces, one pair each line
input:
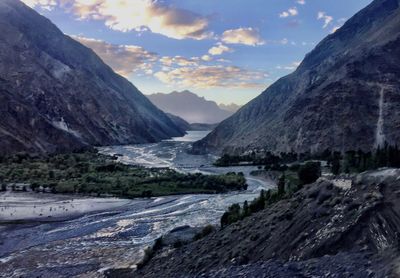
[228,51]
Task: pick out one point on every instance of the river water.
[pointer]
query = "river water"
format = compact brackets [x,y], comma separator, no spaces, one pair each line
[87,245]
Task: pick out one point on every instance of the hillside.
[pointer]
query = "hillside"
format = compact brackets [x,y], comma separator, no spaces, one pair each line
[343,96]
[330,228]
[57,95]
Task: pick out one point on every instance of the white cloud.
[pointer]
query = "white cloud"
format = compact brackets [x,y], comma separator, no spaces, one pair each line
[290,12]
[290,67]
[212,77]
[339,24]
[219,49]
[206,58]
[139,15]
[45,4]
[179,60]
[247,36]
[301,2]
[326,18]
[123,59]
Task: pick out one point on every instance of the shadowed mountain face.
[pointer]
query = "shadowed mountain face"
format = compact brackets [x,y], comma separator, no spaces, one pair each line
[344,96]
[190,107]
[58,95]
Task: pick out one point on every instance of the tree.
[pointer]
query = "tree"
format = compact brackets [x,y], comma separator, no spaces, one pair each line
[281,184]
[335,167]
[246,210]
[309,173]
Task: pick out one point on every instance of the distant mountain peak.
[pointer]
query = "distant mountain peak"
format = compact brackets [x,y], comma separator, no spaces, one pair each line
[190,107]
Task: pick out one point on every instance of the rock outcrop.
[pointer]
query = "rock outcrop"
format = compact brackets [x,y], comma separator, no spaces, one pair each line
[58,95]
[345,95]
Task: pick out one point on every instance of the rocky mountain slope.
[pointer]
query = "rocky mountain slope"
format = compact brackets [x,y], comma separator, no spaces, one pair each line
[345,95]
[58,95]
[332,228]
[190,107]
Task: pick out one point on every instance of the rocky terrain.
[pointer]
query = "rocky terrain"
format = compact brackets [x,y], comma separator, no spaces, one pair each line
[190,107]
[332,228]
[345,95]
[58,95]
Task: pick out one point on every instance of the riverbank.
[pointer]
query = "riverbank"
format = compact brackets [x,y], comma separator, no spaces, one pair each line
[24,207]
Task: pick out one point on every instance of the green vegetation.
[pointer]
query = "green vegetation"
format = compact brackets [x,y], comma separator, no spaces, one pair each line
[256,159]
[236,212]
[205,232]
[99,175]
[309,172]
[289,182]
[358,161]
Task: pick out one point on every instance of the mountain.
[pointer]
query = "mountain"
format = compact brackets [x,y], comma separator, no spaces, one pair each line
[324,230]
[58,95]
[230,107]
[345,95]
[190,107]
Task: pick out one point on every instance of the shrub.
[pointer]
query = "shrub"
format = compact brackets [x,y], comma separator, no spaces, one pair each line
[309,172]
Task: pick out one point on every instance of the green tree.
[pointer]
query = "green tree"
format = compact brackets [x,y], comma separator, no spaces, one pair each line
[309,173]
[335,165]
[281,184]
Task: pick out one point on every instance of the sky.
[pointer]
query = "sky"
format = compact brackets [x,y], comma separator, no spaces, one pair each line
[228,51]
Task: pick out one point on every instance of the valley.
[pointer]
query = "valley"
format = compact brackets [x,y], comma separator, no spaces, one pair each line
[276,155]
[109,233]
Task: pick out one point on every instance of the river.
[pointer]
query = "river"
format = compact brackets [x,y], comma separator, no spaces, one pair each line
[88,244]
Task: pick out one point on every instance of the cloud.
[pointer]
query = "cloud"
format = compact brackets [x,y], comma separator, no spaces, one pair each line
[179,60]
[211,77]
[44,4]
[206,58]
[326,18]
[219,49]
[123,59]
[301,2]
[290,67]
[290,12]
[247,36]
[139,15]
[339,24]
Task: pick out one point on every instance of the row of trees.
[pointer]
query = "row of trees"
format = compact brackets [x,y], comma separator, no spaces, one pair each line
[359,161]
[307,173]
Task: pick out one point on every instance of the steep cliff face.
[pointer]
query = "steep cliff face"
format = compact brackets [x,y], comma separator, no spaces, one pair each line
[58,95]
[345,95]
[331,228]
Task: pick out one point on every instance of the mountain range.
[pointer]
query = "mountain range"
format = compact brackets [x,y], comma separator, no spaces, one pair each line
[58,95]
[192,108]
[345,95]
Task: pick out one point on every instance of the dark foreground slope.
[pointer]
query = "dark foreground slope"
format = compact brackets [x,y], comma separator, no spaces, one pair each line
[56,94]
[345,95]
[324,230]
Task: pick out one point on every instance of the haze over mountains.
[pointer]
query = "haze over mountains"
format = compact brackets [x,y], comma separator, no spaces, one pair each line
[345,95]
[58,95]
[192,108]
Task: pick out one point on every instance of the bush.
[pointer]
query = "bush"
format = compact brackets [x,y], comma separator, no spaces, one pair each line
[205,232]
[309,173]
